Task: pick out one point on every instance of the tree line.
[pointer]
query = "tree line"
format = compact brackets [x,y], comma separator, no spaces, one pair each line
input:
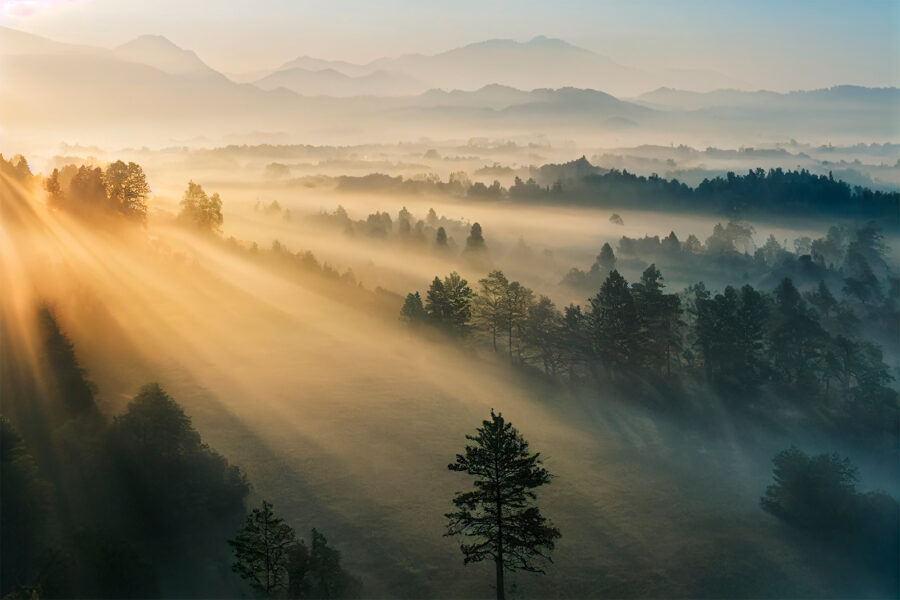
[746,344]
[756,193]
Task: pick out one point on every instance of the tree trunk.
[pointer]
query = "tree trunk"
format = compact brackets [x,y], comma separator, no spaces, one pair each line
[501,593]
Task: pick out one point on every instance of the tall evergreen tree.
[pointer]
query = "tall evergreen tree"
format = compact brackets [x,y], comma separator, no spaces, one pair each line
[489,307]
[659,314]
[261,550]
[499,513]
[413,312]
[613,322]
[475,241]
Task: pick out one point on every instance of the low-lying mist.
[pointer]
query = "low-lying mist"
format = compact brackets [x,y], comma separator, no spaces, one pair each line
[346,420]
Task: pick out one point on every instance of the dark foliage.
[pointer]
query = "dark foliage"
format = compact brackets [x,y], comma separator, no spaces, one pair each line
[817,495]
[499,516]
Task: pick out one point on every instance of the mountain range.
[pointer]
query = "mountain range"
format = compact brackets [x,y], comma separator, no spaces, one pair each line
[497,87]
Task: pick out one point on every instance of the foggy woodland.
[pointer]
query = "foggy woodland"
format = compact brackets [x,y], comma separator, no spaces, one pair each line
[443,326]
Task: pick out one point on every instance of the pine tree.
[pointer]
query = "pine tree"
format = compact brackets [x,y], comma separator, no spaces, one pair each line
[489,307]
[262,549]
[499,513]
[413,313]
[475,241]
[614,324]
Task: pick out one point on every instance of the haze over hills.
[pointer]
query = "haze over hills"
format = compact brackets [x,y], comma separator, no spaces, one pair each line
[153,86]
[158,52]
[538,63]
[329,82]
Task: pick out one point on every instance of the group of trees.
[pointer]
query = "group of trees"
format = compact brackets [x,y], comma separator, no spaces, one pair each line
[737,341]
[439,232]
[138,506]
[817,496]
[120,189]
[277,565]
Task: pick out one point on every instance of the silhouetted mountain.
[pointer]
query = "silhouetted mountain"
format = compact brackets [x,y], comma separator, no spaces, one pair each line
[158,52]
[14,42]
[538,63]
[845,95]
[317,64]
[329,82]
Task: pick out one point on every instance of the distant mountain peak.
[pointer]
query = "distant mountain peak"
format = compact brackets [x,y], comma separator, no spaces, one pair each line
[149,40]
[161,53]
[542,40]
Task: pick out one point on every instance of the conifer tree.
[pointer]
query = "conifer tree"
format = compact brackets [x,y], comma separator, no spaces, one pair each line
[499,515]
[262,549]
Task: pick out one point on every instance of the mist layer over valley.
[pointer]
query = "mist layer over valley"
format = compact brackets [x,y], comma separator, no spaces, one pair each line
[288,296]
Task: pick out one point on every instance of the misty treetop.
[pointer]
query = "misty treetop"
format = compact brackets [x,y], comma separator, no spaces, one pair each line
[200,210]
[757,193]
[121,189]
[739,342]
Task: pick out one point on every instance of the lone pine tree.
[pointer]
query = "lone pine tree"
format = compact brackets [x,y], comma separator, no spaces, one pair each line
[499,515]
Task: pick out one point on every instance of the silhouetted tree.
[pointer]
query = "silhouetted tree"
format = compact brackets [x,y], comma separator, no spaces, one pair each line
[25,507]
[659,314]
[475,241]
[55,195]
[87,191]
[613,323]
[440,239]
[499,514]
[796,338]
[413,312]
[325,578]
[127,189]
[606,262]
[262,548]
[542,333]
[448,303]
[489,306]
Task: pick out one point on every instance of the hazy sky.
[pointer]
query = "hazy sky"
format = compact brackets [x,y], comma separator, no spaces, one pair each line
[765,43]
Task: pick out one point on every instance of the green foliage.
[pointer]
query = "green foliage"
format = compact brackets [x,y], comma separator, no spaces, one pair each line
[499,514]
[614,326]
[448,303]
[413,312]
[817,495]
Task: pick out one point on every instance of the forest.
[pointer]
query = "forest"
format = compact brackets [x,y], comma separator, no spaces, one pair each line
[462,301]
[803,351]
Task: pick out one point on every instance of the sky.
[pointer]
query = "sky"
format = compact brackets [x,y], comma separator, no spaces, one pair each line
[765,43]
